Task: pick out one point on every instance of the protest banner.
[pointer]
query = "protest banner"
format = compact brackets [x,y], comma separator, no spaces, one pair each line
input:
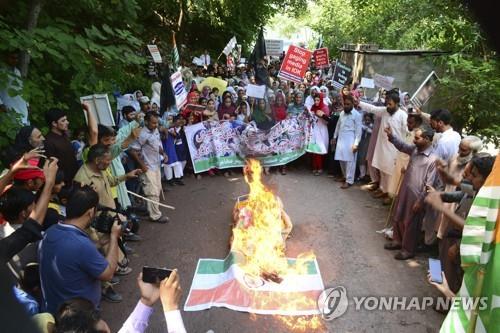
[214,82]
[367,83]
[341,74]
[321,58]
[382,81]
[155,53]
[274,47]
[295,64]
[255,90]
[197,61]
[226,144]
[180,92]
[100,108]
[425,91]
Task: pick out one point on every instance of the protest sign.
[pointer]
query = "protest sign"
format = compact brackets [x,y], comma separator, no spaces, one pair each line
[321,57]
[155,53]
[274,47]
[180,92]
[197,61]
[425,91]
[367,83]
[341,74]
[383,81]
[255,90]
[100,108]
[295,64]
[213,82]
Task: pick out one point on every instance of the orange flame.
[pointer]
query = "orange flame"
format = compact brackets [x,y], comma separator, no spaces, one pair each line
[259,236]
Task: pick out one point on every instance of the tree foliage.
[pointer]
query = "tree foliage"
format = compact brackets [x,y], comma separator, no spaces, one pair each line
[94,46]
[470,87]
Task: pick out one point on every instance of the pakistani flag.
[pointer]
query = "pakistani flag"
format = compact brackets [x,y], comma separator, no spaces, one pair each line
[480,262]
[175,55]
[320,42]
[230,46]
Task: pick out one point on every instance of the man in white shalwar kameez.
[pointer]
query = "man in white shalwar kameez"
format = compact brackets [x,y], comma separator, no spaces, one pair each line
[347,136]
[385,154]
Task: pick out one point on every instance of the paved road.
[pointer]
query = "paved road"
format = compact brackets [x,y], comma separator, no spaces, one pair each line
[339,225]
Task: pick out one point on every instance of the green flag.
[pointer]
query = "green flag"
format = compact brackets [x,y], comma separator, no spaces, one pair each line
[480,262]
[175,55]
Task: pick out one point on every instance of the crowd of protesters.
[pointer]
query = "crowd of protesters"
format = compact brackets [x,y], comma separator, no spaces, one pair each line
[69,213]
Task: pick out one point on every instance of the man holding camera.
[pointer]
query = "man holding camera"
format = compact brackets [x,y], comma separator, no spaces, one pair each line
[70,264]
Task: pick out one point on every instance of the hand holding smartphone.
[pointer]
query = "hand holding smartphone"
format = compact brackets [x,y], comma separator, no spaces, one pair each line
[155,274]
[435,270]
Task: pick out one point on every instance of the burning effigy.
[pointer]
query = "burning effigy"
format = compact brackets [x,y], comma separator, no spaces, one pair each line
[256,276]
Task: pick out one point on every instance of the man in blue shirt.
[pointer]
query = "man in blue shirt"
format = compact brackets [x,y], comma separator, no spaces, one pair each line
[70,264]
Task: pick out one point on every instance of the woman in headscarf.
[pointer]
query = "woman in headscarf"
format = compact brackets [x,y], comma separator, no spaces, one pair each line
[205,92]
[227,109]
[193,110]
[320,110]
[326,98]
[404,99]
[310,99]
[278,109]
[297,107]
[262,115]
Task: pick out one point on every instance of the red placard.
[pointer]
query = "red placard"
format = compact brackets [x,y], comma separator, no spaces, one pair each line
[321,57]
[295,64]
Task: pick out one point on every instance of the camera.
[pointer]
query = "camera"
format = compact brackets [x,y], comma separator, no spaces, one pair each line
[104,221]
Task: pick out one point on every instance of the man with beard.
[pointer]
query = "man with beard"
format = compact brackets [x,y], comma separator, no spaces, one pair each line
[347,136]
[420,175]
[385,153]
[453,174]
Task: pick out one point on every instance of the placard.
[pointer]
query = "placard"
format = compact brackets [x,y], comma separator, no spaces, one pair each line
[179,90]
[100,108]
[256,91]
[367,83]
[295,64]
[383,81]
[274,47]
[155,53]
[341,74]
[425,91]
[321,58]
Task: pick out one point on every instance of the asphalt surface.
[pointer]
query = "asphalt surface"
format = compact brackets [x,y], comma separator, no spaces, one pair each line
[338,225]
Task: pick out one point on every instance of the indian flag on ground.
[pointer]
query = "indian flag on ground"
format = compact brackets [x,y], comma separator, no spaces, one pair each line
[480,261]
[222,283]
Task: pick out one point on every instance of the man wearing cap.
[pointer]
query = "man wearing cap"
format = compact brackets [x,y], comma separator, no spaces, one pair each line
[145,104]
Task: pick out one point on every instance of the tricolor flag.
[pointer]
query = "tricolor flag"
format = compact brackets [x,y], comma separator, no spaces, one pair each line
[222,283]
[230,46]
[480,262]
[175,54]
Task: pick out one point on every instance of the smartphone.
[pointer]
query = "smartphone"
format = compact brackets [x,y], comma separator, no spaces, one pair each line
[154,274]
[435,269]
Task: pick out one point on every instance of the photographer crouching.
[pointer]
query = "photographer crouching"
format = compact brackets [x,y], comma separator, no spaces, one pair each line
[94,174]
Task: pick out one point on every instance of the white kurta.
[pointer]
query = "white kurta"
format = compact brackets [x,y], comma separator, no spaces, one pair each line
[347,133]
[447,145]
[320,135]
[385,153]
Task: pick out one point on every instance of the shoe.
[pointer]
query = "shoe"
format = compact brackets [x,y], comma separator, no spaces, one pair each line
[131,237]
[161,220]
[378,194]
[392,246]
[122,271]
[340,180]
[283,171]
[171,182]
[114,280]
[128,249]
[320,171]
[345,186]
[179,181]
[370,187]
[211,173]
[110,295]
[316,173]
[198,177]
[403,255]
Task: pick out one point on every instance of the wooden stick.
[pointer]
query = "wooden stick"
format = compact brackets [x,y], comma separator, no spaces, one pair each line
[152,201]
[391,210]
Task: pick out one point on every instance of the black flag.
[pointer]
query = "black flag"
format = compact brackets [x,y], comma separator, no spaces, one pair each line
[259,50]
[167,97]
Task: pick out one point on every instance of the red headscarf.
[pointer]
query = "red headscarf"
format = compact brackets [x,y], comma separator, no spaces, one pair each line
[321,106]
[279,111]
